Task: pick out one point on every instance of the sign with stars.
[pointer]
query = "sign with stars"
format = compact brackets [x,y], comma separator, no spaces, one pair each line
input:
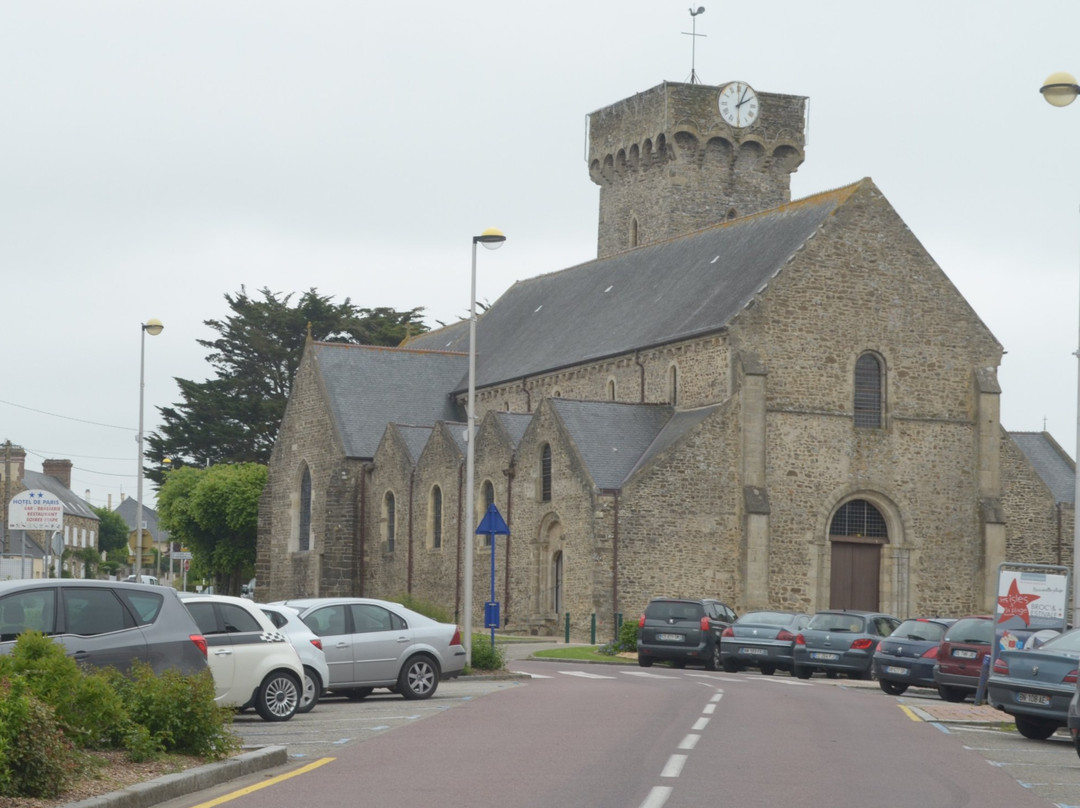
[35,510]
[1029,602]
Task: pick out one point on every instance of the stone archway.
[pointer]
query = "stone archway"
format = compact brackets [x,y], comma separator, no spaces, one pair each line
[549,559]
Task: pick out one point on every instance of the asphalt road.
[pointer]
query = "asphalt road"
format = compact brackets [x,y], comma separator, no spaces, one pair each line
[604,736]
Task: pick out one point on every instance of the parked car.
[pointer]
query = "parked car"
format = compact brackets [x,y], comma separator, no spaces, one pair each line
[254,664]
[839,641]
[105,623]
[762,640]
[683,631]
[1073,718]
[308,647]
[960,656]
[906,657]
[145,579]
[1036,685]
[377,643]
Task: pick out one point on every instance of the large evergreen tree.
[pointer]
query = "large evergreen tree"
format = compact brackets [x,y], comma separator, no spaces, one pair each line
[234,416]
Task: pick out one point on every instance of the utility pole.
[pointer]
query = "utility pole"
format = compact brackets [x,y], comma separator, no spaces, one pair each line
[5,545]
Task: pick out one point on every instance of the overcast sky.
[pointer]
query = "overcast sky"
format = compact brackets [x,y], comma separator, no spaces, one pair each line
[155,156]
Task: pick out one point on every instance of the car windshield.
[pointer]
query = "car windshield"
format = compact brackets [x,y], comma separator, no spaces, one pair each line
[1069,641]
[919,630]
[974,631]
[828,621]
[765,618]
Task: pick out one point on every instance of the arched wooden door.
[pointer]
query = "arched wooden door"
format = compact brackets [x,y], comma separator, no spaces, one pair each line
[856,535]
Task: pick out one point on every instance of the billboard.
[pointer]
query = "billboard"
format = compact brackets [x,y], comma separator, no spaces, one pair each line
[1030,605]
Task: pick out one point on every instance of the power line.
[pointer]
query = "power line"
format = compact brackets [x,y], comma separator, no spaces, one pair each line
[66,417]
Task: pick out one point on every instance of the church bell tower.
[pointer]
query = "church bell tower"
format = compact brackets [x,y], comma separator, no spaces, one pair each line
[680,157]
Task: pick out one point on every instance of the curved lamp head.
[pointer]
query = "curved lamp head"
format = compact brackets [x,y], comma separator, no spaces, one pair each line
[153,327]
[1060,89]
[491,238]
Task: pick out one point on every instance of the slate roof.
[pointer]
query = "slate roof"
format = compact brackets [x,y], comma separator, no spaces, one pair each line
[127,510]
[688,286]
[1050,462]
[611,437]
[74,505]
[415,437]
[515,424]
[369,387]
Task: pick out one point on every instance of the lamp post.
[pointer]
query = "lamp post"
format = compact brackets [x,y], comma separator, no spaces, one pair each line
[492,239]
[153,328]
[1060,90]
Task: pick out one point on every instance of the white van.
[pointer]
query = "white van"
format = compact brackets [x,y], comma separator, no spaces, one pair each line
[146,579]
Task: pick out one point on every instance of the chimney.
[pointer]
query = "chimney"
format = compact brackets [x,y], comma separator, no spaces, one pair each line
[60,469]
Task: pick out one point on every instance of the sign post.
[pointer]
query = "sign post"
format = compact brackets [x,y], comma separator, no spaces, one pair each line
[492,525]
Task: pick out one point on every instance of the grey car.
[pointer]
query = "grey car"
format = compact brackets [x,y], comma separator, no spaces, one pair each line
[839,641]
[762,640]
[105,623]
[373,643]
[683,631]
[1072,718]
[1035,685]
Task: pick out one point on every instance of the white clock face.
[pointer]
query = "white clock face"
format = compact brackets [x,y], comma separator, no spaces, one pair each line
[738,104]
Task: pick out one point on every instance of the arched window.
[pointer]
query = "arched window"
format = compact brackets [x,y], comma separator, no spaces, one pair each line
[611,389]
[391,519]
[487,499]
[673,385]
[860,519]
[869,392]
[436,517]
[545,473]
[304,525]
[633,232]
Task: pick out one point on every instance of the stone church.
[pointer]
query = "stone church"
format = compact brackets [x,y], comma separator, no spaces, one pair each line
[774,403]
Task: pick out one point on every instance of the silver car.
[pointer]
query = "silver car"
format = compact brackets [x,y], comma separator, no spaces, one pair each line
[377,643]
[308,646]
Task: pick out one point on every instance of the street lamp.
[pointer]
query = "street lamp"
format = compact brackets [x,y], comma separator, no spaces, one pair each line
[1060,90]
[153,328]
[492,239]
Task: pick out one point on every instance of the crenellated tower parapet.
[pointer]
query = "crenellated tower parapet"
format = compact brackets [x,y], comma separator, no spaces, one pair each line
[668,163]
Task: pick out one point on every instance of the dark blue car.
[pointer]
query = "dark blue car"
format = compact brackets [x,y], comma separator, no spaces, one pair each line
[906,657]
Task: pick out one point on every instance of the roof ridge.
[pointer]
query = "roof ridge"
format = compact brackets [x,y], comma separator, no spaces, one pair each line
[392,348]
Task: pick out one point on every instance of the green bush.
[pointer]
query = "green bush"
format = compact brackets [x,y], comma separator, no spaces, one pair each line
[485,656]
[627,641]
[36,759]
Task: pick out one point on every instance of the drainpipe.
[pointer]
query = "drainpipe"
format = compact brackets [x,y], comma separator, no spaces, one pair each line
[509,472]
[409,532]
[360,534]
[614,494]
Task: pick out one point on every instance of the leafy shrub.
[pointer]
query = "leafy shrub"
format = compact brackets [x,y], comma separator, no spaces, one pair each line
[171,712]
[36,759]
[485,656]
[627,641]
[426,608]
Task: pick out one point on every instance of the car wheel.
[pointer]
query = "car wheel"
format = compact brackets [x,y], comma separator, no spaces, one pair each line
[768,670]
[644,661]
[312,690]
[1037,729]
[356,693]
[419,678]
[803,673]
[730,666]
[954,694]
[892,688]
[278,696]
[715,662]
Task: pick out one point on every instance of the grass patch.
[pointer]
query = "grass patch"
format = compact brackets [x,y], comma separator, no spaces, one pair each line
[584,653]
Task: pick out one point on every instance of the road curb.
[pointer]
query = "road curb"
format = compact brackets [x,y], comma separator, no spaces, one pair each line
[171,786]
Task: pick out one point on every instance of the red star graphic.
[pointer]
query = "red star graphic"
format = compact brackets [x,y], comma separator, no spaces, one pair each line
[1015,604]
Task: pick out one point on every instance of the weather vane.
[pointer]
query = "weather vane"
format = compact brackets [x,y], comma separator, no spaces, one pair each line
[693,43]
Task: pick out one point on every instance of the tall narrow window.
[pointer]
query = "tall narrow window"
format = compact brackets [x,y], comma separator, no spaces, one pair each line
[436,517]
[487,499]
[545,473]
[391,521]
[633,232]
[611,389]
[868,392]
[304,532]
[673,385]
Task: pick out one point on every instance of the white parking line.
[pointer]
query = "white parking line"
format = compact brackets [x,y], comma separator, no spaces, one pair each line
[647,675]
[673,768]
[710,708]
[689,742]
[700,724]
[657,797]
[584,675]
[531,675]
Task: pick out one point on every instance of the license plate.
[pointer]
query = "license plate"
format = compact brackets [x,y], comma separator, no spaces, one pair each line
[753,651]
[896,670]
[824,657]
[670,637]
[1033,698]
[962,653]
